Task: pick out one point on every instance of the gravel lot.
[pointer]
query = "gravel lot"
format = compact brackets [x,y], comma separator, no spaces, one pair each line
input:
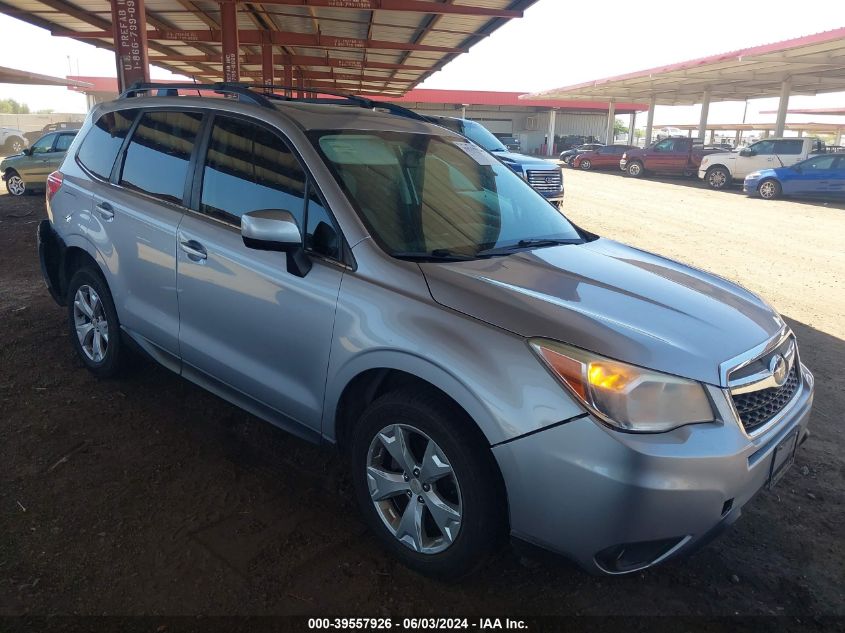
[150,496]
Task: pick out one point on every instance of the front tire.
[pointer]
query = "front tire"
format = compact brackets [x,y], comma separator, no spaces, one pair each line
[93,324]
[635,169]
[717,178]
[586,165]
[426,483]
[15,184]
[769,189]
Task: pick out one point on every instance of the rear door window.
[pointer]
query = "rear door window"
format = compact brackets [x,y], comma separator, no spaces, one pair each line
[157,157]
[63,142]
[102,143]
[789,147]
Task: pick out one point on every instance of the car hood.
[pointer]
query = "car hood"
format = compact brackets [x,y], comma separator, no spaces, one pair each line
[614,300]
[522,159]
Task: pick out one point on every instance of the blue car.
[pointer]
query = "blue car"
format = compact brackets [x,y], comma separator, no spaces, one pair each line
[819,176]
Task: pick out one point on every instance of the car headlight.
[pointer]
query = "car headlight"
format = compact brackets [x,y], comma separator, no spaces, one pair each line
[624,156]
[704,161]
[753,175]
[623,396]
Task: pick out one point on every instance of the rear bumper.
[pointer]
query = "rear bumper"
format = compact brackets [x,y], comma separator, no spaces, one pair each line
[51,250]
[619,502]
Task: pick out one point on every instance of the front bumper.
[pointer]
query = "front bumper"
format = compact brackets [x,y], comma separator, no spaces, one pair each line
[623,164]
[749,187]
[596,495]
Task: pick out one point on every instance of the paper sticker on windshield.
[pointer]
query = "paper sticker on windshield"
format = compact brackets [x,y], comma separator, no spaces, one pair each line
[476,153]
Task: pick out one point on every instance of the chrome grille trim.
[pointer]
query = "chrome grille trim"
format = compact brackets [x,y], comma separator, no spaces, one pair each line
[545,180]
[755,397]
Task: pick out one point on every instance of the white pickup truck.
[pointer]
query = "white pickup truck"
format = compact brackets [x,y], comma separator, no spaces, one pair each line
[722,169]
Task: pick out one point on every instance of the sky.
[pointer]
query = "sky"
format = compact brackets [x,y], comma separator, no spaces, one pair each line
[557,43]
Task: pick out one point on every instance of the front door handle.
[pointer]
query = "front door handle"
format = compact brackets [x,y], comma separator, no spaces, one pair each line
[194,249]
[105,211]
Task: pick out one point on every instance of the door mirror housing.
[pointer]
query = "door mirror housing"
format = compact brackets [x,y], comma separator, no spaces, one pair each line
[276,230]
[746,152]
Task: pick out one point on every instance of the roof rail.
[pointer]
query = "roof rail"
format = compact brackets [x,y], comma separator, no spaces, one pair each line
[171,90]
[247,92]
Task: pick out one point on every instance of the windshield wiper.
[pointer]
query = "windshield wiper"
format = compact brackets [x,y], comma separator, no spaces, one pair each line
[438,254]
[528,244]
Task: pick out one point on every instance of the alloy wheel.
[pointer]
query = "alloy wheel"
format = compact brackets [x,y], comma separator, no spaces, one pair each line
[768,190]
[634,169]
[717,179]
[414,489]
[585,165]
[16,185]
[91,323]
[17,146]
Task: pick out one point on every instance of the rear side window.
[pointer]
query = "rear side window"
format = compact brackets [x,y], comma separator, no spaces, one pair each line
[158,154]
[248,168]
[102,143]
[64,142]
[789,147]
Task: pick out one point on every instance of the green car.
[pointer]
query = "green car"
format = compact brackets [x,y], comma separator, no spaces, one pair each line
[28,170]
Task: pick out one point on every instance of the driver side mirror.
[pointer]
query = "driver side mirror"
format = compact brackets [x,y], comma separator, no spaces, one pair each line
[276,230]
[746,152]
[27,151]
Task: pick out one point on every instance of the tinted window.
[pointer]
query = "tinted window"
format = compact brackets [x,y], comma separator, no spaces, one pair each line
[666,145]
[789,147]
[249,168]
[102,143]
[44,144]
[64,142]
[157,157]
[322,235]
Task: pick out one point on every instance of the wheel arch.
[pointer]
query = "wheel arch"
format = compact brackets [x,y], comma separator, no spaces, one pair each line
[76,256]
[365,381]
[369,384]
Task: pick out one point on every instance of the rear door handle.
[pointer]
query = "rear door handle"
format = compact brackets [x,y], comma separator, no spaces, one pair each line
[105,211]
[194,249]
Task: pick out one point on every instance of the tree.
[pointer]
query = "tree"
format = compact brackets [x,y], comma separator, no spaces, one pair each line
[619,128]
[10,106]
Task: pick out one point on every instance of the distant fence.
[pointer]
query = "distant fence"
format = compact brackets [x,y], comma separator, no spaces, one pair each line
[35,122]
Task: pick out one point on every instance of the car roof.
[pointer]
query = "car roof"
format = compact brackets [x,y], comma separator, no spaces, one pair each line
[308,116]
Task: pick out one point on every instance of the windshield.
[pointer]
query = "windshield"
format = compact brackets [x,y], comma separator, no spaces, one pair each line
[421,194]
[480,135]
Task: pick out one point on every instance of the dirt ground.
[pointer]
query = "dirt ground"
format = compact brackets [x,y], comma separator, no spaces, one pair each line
[149,496]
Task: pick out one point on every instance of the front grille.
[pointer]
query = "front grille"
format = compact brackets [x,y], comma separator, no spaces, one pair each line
[758,407]
[546,181]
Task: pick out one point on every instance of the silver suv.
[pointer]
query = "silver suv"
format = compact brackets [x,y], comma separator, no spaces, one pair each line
[368,280]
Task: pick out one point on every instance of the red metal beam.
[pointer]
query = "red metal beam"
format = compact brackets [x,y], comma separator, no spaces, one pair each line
[280,38]
[267,64]
[297,60]
[314,74]
[413,6]
[129,32]
[229,37]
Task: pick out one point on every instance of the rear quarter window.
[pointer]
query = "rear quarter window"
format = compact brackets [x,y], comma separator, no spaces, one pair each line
[102,143]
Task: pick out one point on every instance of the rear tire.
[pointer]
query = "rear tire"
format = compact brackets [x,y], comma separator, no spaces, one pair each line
[769,189]
[93,325]
[635,169]
[453,539]
[15,184]
[717,178]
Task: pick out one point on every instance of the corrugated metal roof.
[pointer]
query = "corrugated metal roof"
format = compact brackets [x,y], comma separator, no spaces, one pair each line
[337,19]
[812,63]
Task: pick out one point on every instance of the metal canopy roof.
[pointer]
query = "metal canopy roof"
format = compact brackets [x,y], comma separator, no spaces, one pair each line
[15,76]
[377,46]
[794,127]
[813,64]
